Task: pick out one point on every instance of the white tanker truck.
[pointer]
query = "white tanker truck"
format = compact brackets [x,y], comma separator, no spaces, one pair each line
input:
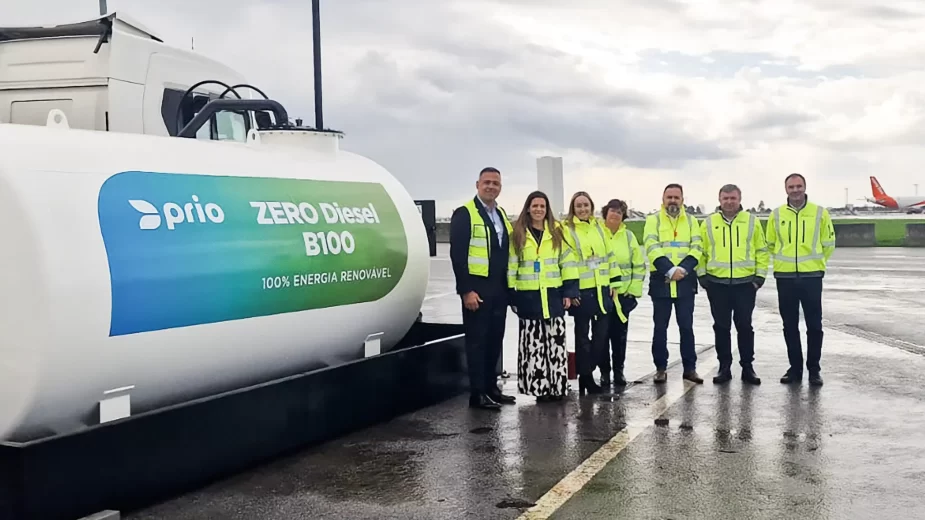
[141,265]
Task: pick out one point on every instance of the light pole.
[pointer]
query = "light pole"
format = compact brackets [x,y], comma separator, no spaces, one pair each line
[316,40]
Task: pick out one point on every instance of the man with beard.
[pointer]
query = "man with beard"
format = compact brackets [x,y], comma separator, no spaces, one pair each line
[673,247]
[732,269]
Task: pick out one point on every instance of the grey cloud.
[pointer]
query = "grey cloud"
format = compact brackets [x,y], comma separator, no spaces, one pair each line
[475,95]
[437,143]
[776,119]
[637,143]
[868,9]
[431,90]
[726,64]
[887,13]
[595,6]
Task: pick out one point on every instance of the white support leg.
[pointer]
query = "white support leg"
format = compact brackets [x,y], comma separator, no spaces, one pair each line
[372,345]
[116,404]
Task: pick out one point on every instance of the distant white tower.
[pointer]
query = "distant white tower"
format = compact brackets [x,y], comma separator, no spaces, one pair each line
[549,181]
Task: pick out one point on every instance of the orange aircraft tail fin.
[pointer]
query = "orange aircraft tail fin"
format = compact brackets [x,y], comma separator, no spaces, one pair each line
[877,190]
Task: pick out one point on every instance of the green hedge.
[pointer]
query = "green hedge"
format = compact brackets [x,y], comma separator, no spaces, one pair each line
[889,232]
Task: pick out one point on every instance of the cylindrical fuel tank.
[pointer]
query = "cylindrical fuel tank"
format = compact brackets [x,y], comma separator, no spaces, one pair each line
[184,267]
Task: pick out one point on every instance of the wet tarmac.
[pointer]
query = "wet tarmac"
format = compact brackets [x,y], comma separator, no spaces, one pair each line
[854,448]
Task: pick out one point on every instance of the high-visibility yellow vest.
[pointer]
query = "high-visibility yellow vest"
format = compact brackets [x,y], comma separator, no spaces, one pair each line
[800,241]
[629,258]
[541,266]
[734,252]
[479,252]
[597,266]
[674,239]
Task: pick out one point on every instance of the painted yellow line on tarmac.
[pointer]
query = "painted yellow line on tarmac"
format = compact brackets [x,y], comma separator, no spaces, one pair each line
[636,424]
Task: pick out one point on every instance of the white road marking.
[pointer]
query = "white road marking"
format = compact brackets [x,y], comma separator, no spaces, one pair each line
[636,424]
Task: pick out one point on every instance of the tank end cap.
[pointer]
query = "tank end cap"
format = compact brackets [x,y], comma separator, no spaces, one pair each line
[57,119]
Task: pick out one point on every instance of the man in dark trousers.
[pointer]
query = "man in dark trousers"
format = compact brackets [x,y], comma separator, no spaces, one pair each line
[479,247]
[733,267]
[801,240]
[673,247]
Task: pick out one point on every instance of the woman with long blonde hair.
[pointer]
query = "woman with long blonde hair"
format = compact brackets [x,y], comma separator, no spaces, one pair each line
[599,277]
[543,278]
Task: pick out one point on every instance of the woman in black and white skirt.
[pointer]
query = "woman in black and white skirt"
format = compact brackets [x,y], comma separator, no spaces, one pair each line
[543,278]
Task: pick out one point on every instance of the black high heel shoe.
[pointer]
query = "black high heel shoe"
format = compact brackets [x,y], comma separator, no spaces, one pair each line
[586,383]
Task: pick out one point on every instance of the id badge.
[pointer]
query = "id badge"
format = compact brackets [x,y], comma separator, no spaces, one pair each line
[594,262]
[536,266]
[675,244]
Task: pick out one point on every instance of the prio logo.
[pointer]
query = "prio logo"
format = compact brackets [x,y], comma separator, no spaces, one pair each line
[173,214]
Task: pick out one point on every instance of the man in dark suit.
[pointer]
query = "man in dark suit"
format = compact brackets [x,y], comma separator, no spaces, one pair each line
[479,248]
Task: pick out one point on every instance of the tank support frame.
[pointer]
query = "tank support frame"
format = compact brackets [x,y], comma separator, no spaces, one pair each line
[127,464]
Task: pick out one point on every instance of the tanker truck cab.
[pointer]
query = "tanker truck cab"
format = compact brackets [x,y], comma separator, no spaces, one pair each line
[113,74]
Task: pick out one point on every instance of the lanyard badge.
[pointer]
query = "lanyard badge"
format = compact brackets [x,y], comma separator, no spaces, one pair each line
[536,266]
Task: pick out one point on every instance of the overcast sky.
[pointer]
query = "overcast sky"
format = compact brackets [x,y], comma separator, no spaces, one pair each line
[633,94]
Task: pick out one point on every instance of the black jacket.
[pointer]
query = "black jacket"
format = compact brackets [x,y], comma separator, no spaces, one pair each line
[493,286]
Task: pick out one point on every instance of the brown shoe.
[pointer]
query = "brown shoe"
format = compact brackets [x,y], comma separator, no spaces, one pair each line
[660,377]
[691,375]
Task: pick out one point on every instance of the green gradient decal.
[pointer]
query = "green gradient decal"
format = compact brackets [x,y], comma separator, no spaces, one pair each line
[189,249]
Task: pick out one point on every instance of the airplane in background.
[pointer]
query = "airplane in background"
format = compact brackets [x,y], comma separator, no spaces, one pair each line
[907,203]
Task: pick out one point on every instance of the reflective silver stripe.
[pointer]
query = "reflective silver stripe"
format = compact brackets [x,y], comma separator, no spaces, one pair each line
[478,242]
[814,249]
[639,277]
[577,244]
[570,263]
[712,240]
[786,258]
[532,277]
[629,249]
[734,265]
[714,262]
[780,243]
[653,247]
[828,243]
[751,233]
[478,260]
[816,231]
[600,231]
[548,261]
[651,237]
[673,243]
[585,275]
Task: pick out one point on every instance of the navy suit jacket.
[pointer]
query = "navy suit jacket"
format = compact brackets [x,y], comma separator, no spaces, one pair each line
[493,286]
